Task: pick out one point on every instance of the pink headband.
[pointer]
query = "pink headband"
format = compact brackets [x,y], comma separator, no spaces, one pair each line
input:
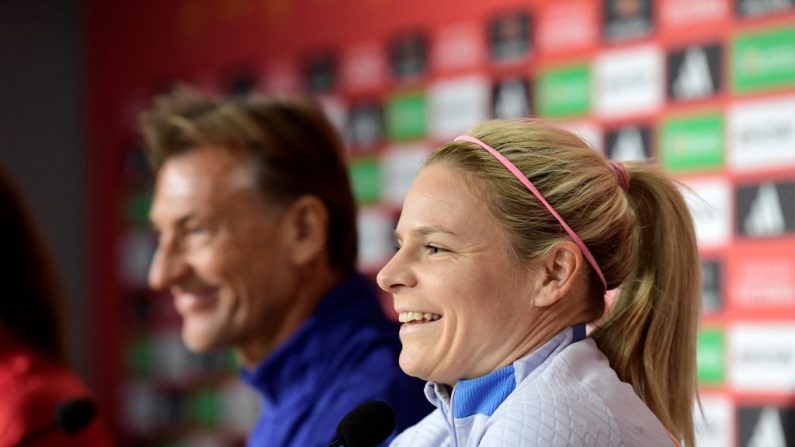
[526,182]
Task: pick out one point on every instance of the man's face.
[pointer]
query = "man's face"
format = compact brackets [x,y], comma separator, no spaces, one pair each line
[221,251]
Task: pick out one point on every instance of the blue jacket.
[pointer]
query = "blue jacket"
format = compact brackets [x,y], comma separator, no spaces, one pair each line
[344,354]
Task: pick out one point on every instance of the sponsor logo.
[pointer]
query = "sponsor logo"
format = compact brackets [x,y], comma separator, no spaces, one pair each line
[710,356]
[762,357]
[138,248]
[627,19]
[564,91]
[628,81]
[408,55]
[335,110]
[714,421]
[692,142]
[587,131]
[363,66]
[511,98]
[752,8]
[399,166]
[766,209]
[679,13]
[567,26]
[629,143]
[455,105]
[762,134]
[376,241]
[242,83]
[405,116]
[457,47]
[711,273]
[694,73]
[762,278]
[763,60]
[320,72]
[365,126]
[282,77]
[709,201]
[768,426]
[509,36]
[365,180]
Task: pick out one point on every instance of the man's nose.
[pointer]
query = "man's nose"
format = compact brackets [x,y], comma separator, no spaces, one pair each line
[168,266]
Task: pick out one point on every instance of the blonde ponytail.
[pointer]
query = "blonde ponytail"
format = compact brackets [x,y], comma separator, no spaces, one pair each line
[649,334]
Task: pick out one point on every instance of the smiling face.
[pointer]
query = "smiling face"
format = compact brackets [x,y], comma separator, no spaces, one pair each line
[221,251]
[464,300]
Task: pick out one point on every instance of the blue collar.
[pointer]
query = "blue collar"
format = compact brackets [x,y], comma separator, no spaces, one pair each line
[295,368]
[482,395]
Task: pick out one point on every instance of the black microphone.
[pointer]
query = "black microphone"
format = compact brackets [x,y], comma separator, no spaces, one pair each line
[367,425]
[71,416]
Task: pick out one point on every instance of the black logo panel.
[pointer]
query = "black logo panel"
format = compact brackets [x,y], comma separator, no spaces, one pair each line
[511,98]
[766,209]
[509,36]
[627,19]
[694,72]
[628,143]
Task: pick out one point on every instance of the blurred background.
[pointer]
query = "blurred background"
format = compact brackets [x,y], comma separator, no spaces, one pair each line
[704,87]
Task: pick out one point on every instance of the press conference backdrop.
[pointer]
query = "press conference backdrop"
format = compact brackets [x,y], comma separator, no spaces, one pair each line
[706,88]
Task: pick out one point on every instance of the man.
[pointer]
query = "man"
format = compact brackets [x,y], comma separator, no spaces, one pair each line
[257,244]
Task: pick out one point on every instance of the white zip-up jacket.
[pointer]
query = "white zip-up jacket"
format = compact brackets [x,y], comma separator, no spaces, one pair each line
[562,394]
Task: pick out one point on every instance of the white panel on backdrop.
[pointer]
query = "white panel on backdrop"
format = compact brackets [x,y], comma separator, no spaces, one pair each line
[399,166]
[363,66]
[240,406]
[588,131]
[376,239]
[336,111]
[762,357]
[137,249]
[458,47]
[458,104]
[678,13]
[628,81]
[566,26]
[715,426]
[762,134]
[709,201]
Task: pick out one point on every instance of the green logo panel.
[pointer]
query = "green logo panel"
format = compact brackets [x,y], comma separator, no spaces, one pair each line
[763,60]
[366,180]
[693,142]
[711,356]
[564,91]
[406,116]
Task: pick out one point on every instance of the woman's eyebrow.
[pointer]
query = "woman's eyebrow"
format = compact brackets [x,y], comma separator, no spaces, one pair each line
[425,230]
[430,229]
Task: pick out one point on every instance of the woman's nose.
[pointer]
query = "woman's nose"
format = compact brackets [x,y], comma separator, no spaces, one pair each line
[396,274]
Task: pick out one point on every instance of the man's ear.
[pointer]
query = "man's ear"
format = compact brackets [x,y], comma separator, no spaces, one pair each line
[558,272]
[307,229]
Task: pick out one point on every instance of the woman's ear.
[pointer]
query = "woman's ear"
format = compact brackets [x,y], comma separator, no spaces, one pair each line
[558,273]
[307,229]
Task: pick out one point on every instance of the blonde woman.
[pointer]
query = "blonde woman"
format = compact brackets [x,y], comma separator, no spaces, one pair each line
[509,239]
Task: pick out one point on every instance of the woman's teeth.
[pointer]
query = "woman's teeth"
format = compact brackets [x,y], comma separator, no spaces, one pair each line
[408,317]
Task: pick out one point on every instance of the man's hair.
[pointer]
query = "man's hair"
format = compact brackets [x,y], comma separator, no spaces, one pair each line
[293,149]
